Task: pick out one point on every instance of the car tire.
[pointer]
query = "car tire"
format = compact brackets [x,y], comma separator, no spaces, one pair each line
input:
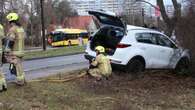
[135,66]
[182,66]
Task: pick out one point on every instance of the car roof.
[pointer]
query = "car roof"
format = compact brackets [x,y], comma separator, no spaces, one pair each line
[132,27]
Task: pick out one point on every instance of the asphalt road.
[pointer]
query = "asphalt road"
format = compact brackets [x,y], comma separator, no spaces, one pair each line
[49,66]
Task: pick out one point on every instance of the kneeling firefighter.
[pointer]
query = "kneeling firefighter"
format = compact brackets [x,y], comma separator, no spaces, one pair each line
[15,47]
[101,66]
[3,85]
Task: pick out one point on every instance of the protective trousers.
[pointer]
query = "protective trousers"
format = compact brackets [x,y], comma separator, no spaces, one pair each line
[17,61]
[95,72]
[3,84]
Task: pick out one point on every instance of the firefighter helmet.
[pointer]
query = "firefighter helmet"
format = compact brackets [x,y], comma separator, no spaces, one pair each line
[101,49]
[12,17]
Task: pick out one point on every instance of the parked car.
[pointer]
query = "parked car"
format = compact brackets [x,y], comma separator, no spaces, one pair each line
[135,48]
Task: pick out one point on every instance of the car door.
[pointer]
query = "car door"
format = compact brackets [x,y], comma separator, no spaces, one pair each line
[166,48]
[148,45]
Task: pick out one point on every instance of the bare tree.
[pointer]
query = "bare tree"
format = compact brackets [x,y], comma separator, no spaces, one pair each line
[62,9]
[170,22]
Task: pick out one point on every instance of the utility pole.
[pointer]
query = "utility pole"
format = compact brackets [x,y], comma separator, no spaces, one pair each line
[43,25]
[143,16]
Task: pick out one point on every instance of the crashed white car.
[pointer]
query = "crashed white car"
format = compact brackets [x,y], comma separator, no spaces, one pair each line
[135,48]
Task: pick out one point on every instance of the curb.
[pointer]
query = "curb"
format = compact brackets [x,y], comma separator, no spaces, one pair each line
[54,56]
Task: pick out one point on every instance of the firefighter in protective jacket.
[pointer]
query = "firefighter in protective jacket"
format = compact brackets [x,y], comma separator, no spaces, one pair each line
[15,48]
[101,64]
[3,85]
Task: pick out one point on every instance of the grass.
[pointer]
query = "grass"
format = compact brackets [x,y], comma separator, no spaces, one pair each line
[54,52]
[162,91]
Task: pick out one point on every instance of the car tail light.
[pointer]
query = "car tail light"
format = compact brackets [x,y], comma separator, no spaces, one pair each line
[123,45]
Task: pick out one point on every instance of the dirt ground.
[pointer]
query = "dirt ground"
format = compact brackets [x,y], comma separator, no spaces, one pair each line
[153,90]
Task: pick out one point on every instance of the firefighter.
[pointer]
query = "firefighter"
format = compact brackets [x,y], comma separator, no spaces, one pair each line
[3,85]
[101,64]
[15,49]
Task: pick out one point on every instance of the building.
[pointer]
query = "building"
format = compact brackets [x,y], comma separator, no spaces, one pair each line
[82,6]
[170,10]
[117,6]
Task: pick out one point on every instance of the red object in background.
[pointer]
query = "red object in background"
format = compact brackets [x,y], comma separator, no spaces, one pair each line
[77,22]
[157,11]
[49,40]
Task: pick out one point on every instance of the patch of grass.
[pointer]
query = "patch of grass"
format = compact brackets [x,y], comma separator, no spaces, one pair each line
[160,91]
[54,52]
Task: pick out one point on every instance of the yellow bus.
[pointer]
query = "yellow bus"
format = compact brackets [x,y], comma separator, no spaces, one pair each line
[67,37]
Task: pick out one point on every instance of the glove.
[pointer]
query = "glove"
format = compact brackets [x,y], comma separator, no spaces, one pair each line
[93,59]
[12,69]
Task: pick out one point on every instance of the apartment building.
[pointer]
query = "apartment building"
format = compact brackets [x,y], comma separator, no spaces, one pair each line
[117,6]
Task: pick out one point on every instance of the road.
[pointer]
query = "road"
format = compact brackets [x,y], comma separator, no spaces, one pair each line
[49,66]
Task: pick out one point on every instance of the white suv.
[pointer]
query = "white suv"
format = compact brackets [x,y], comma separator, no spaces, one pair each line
[136,48]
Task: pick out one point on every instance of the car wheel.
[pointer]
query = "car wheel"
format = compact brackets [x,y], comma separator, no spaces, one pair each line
[182,66]
[135,66]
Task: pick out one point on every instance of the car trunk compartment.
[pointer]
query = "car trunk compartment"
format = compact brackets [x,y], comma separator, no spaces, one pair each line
[108,37]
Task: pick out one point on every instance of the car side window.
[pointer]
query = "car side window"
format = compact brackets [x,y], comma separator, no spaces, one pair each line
[145,38]
[164,41]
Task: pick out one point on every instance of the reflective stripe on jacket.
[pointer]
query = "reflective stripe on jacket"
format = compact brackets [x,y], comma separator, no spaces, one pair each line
[1,36]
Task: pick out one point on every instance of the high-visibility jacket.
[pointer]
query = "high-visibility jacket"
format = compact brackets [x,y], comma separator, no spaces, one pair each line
[2,77]
[103,64]
[17,34]
[1,36]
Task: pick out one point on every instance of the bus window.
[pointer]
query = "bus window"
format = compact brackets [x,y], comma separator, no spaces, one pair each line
[57,37]
[84,35]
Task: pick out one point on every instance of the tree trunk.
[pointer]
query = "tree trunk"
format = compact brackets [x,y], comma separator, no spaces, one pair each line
[170,22]
[169,30]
